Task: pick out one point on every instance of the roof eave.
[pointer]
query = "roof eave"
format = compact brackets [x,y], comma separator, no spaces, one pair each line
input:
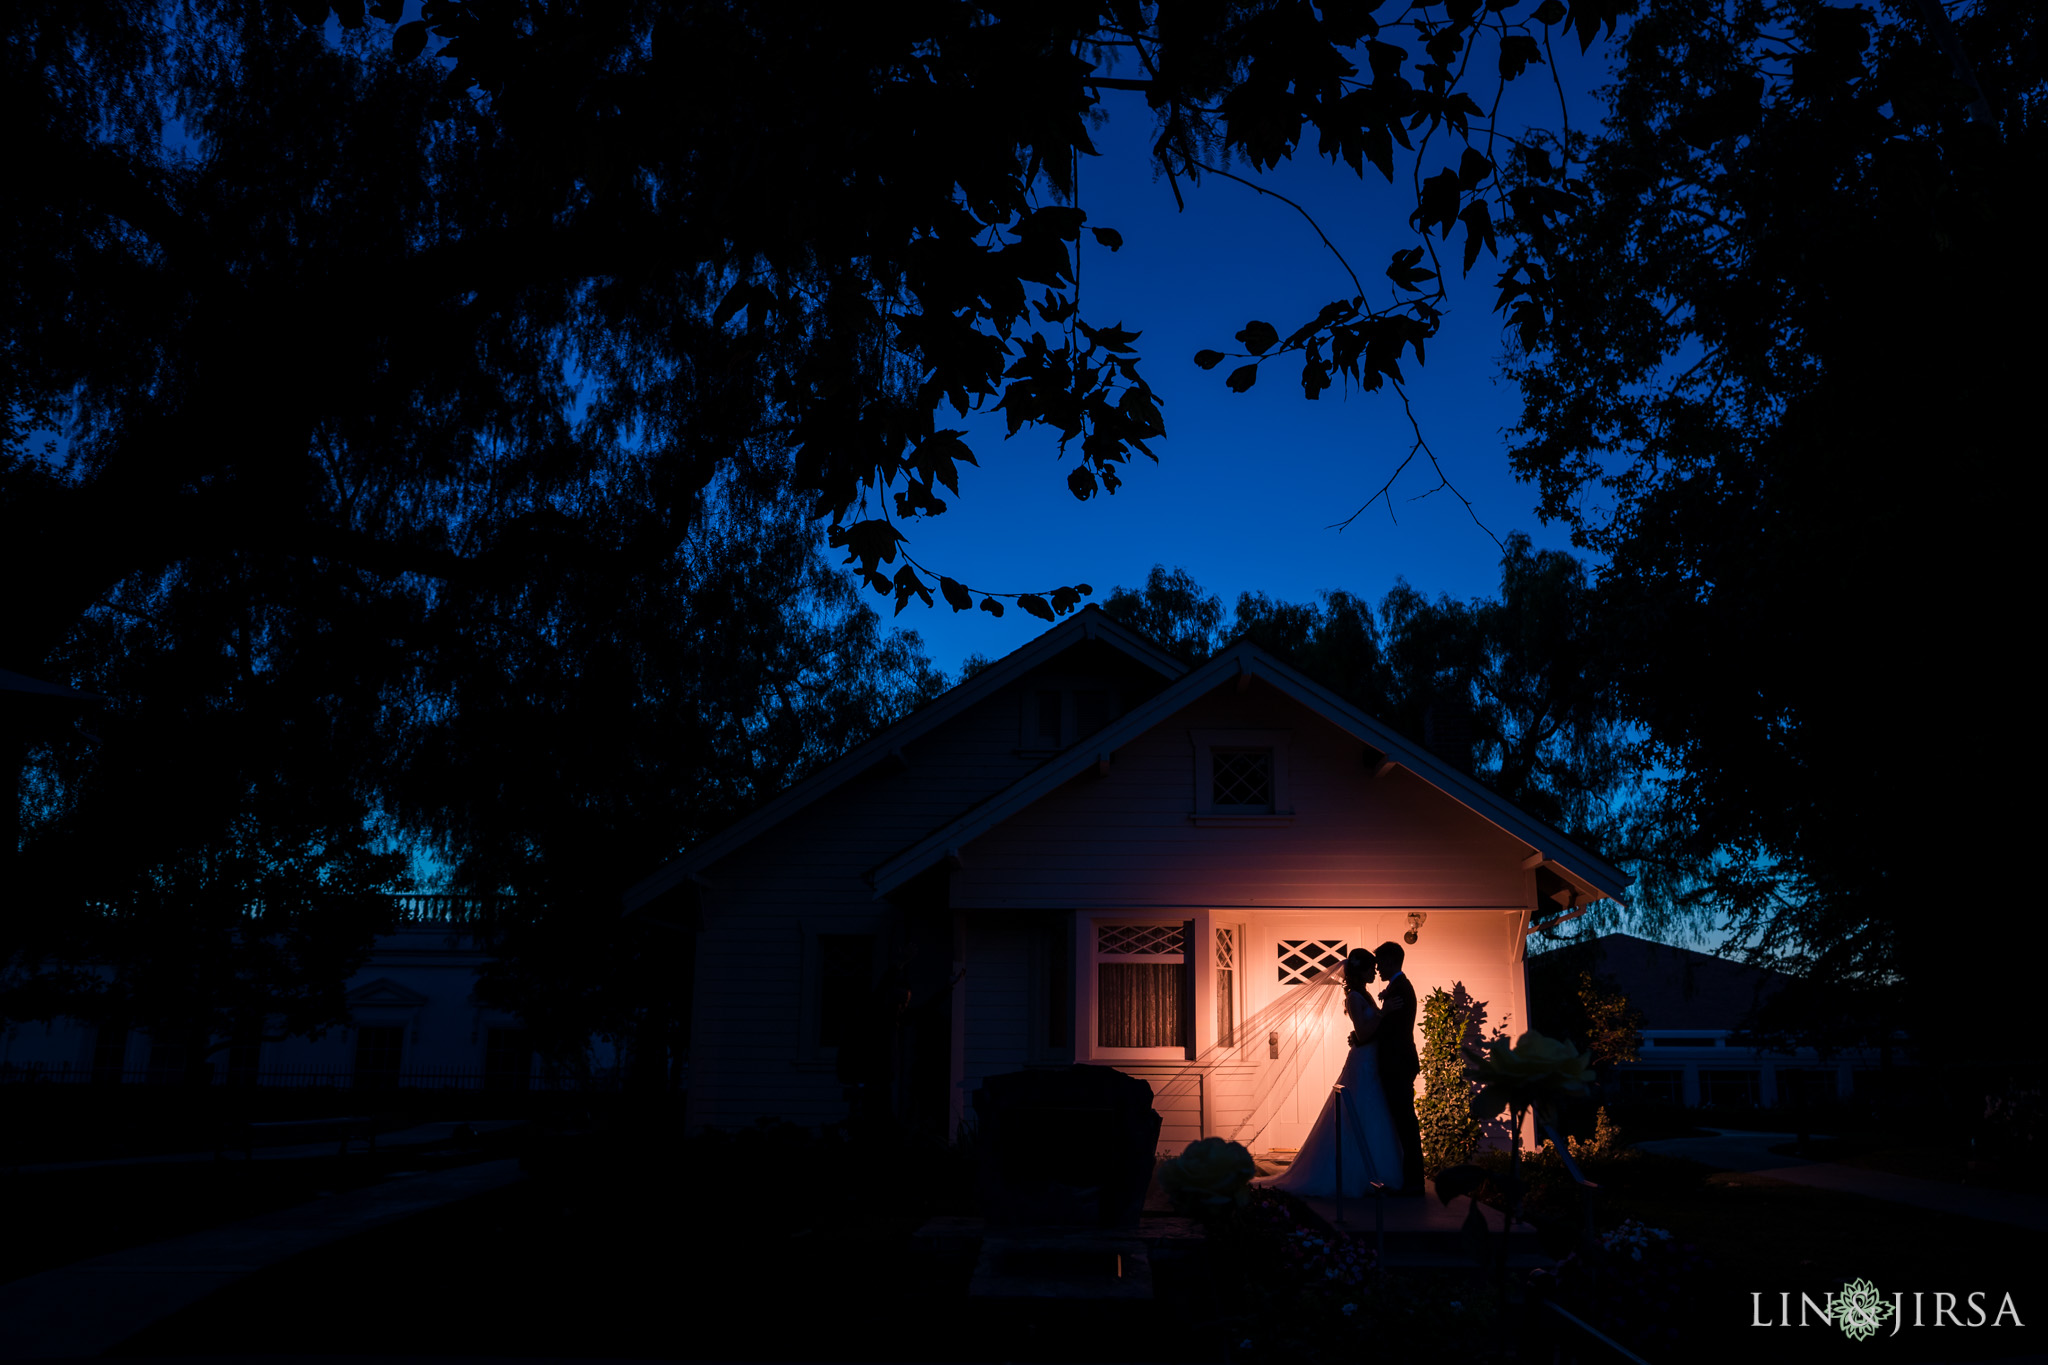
[1593,873]
[1090,623]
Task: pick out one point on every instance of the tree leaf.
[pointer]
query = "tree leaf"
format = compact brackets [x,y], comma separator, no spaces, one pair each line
[1517,52]
[1549,13]
[1473,168]
[1208,360]
[1081,482]
[1439,203]
[1242,378]
[409,41]
[957,597]
[992,607]
[1259,337]
[1036,605]
[1478,232]
[1109,237]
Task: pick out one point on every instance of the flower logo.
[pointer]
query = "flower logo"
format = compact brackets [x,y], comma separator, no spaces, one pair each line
[1860,1310]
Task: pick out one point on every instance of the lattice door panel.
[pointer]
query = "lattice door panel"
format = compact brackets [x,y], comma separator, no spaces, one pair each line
[1140,940]
[1302,960]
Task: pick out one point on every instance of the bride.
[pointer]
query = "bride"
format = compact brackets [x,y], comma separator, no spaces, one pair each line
[1372,1149]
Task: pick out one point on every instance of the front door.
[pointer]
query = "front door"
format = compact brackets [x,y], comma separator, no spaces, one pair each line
[1287,953]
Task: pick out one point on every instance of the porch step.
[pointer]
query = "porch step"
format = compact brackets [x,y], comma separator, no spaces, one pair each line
[1092,1264]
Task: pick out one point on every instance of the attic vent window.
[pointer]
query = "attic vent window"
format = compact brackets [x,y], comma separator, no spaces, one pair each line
[1047,733]
[1140,940]
[1242,779]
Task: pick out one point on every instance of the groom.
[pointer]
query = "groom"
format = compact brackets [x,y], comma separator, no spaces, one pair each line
[1398,1063]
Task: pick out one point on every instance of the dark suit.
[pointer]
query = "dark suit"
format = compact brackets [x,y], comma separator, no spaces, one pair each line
[1399,1067]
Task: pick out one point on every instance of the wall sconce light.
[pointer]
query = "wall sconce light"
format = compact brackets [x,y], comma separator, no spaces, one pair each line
[1415,919]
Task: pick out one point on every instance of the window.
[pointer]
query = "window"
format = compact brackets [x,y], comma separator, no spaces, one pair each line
[1046,735]
[1653,1087]
[1801,1087]
[846,967]
[508,1059]
[166,1063]
[378,1053]
[1226,987]
[1059,715]
[1091,712]
[1302,960]
[1141,991]
[110,1054]
[1729,1089]
[1241,777]
[245,1055]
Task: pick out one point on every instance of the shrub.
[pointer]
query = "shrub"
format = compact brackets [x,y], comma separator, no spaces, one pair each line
[1449,1132]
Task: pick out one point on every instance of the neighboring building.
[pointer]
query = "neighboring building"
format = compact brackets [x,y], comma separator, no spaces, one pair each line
[414,1021]
[1091,853]
[1694,1007]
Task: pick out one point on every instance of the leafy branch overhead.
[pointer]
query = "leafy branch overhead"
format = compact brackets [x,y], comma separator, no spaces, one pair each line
[528,241]
[1467,174]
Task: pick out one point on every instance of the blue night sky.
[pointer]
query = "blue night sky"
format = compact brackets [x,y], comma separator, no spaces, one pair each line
[1248,485]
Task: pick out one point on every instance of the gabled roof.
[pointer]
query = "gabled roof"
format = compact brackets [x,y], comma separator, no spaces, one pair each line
[1089,623]
[1586,871]
[1677,988]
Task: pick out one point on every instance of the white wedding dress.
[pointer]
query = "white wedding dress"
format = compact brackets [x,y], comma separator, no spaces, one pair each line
[1372,1149]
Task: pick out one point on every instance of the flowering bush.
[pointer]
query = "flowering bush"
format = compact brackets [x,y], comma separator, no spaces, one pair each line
[1212,1174]
[1632,1238]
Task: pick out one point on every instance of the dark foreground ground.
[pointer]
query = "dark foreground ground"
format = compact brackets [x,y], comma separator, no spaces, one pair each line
[771,1248]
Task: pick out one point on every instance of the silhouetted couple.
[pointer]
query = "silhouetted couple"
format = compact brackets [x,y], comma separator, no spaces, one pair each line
[1374,1098]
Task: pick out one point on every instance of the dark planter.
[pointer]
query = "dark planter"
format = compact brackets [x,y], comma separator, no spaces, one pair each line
[1072,1146]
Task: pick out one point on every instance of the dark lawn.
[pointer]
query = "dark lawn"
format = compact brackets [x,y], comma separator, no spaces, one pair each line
[698,1261]
[56,1217]
[524,1272]
[1765,1237]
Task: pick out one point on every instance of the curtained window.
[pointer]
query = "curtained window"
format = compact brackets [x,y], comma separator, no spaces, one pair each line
[1141,986]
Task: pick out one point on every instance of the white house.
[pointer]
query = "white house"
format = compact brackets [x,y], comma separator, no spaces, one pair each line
[1093,854]
[1695,1050]
[414,1021]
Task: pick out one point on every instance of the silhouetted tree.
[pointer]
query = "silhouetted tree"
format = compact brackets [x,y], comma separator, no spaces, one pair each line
[568,738]
[372,294]
[205,864]
[1771,373]
[1570,997]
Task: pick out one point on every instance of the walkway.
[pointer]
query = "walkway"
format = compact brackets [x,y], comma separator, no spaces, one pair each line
[1729,1150]
[84,1309]
[417,1135]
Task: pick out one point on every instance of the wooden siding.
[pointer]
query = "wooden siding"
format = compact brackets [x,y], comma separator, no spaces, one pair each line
[1129,838]
[999,1012]
[767,901]
[1370,849]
